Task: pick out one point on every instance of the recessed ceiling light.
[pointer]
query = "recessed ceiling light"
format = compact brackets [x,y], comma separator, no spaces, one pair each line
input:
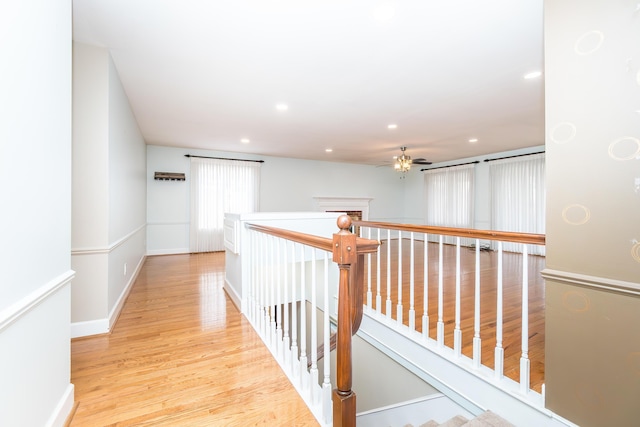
[392,126]
[328,150]
[245,141]
[472,140]
[282,107]
[533,75]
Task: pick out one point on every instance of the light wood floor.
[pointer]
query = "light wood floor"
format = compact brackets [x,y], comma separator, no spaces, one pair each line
[512,292]
[181,355]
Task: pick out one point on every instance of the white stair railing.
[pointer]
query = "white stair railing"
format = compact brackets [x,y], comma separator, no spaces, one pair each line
[290,291]
[293,285]
[457,295]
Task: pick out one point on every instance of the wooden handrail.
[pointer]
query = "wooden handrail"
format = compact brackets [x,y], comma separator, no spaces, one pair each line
[364,246]
[317,242]
[505,236]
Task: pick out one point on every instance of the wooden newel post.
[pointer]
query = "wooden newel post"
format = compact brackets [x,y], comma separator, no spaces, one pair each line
[344,254]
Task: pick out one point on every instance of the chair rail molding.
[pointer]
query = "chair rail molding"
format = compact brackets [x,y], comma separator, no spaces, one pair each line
[588,281]
[18,309]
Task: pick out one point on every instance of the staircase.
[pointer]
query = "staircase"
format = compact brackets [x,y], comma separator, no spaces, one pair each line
[486,419]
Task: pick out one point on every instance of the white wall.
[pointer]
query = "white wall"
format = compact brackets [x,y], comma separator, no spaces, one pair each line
[90,201]
[109,193]
[35,165]
[90,147]
[127,195]
[287,185]
[290,185]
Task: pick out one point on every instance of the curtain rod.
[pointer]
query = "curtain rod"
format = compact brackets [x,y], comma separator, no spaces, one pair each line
[517,155]
[450,166]
[224,158]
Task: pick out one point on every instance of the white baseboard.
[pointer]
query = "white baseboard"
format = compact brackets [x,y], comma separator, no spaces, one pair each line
[117,308]
[175,251]
[90,327]
[63,409]
[103,326]
[235,298]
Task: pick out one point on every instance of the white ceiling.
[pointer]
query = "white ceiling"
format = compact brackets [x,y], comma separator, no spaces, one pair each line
[206,73]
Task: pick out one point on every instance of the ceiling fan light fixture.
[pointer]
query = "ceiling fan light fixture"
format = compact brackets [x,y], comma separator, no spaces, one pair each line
[403,162]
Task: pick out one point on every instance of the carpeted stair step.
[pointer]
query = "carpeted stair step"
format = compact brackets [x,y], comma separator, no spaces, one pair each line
[486,419]
[456,421]
[489,419]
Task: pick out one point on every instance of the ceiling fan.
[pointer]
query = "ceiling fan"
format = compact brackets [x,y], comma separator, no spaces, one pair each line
[403,162]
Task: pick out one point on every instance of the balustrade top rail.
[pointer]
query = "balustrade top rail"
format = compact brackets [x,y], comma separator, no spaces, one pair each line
[364,246]
[505,236]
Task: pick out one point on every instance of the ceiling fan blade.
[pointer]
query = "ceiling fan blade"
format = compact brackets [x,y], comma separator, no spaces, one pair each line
[421,161]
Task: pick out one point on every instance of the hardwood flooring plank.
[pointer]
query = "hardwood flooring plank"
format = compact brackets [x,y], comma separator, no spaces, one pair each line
[181,355]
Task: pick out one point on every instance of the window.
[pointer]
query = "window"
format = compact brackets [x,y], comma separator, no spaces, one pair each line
[518,198]
[449,197]
[217,187]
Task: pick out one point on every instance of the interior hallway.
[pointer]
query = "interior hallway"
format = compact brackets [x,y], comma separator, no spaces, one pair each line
[181,354]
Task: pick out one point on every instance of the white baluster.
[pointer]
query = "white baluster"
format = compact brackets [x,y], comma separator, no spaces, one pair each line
[261,283]
[425,303]
[457,333]
[440,325]
[262,255]
[294,315]
[314,328]
[524,359]
[369,294]
[388,311]
[477,342]
[272,293]
[279,305]
[499,351]
[378,278]
[254,277]
[326,383]
[251,267]
[412,309]
[255,274]
[303,322]
[399,306]
[286,339]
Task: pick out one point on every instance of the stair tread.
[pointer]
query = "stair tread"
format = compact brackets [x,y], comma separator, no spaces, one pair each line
[488,419]
[456,421]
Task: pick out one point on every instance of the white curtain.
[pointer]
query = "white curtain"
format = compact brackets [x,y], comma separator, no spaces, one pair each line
[518,198]
[218,187]
[449,198]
